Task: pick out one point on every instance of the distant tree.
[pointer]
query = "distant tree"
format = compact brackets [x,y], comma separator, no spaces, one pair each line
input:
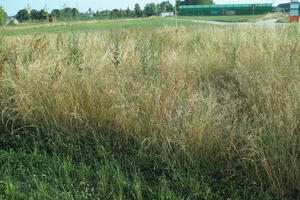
[56,13]
[67,12]
[137,10]
[97,13]
[121,13]
[178,3]
[128,12]
[3,16]
[34,14]
[43,15]
[23,15]
[158,9]
[166,6]
[114,13]
[74,12]
[150,9]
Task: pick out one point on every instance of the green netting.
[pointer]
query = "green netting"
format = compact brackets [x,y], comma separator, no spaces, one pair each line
[225,9]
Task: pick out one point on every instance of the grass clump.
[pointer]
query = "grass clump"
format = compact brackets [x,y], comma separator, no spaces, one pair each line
[165,114]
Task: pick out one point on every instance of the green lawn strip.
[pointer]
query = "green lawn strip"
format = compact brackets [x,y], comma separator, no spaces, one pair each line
[97,26]
[36,165]
[234,18]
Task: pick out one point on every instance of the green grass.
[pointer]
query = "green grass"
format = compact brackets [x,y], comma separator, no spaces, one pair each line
[44,165]
[233,18]
[43,28]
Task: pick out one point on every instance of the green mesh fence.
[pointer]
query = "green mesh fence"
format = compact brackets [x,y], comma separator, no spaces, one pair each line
[225,9]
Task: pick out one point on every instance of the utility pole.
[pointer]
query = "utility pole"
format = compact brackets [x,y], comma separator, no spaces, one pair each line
[176,20]
[77,10]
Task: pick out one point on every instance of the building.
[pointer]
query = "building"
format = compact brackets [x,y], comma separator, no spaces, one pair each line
[284,7]
[225,9]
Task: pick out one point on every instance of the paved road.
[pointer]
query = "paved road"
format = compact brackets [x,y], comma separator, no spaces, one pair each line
[270,22]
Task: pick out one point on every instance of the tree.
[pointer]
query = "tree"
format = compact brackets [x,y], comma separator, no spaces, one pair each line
[128,12]
[3,16]
[23,15]
[34,14]
[67,12]
[137,10]
[97,13]
[74,12]
[43,15]
[166,6]
[114,13]
[56,13]
[150,9]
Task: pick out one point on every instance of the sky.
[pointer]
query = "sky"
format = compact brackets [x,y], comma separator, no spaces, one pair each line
[12,6]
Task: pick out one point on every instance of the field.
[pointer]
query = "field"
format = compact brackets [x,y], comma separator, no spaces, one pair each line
[88,26]
[237,18]
[148,111]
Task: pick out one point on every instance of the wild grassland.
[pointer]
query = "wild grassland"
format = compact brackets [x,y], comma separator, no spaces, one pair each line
[192,113]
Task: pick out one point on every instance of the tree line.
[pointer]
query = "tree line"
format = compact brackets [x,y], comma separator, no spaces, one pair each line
[68,12]
[150,9]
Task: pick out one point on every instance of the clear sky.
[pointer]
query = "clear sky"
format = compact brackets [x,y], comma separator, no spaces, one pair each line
[12,6]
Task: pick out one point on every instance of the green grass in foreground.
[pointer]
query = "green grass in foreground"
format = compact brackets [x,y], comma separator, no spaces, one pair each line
[87,27]
[41,165]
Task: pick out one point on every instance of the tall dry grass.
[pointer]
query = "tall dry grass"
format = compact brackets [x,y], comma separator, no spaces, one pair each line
[226,97]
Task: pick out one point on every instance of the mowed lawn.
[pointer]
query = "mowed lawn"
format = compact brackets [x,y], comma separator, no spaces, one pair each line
[235,18]
[87,26]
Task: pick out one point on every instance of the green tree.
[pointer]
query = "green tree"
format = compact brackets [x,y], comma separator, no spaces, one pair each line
[74,12]
[137,10]
[34,14]
[56,13]
[3,16]
[128,12]
[23,15]
[150,9]
[43,15]
[114,13]
[166,6]
[67,12]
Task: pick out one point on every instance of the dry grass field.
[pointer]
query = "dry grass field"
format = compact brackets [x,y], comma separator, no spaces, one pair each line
[222,98]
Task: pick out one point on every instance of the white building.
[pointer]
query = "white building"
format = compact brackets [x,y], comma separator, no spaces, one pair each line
[166,14]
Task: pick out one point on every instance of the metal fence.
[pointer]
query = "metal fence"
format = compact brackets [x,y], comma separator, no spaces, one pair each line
[225,9]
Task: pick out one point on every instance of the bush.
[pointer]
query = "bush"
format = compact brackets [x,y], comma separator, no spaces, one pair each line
[11,23]
[3,16]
